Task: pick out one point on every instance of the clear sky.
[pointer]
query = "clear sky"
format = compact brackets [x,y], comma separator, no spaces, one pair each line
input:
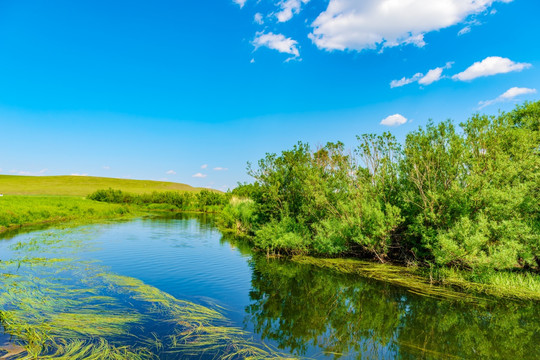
[190,91]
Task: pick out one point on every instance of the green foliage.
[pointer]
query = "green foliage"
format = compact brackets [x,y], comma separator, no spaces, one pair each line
[471,199]
[284,236]
[465,197]
[237,216]
[204,200]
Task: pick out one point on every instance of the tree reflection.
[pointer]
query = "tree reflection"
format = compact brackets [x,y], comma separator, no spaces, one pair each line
[306,310]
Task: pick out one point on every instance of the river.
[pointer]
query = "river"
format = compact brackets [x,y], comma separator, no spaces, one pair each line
[175,287]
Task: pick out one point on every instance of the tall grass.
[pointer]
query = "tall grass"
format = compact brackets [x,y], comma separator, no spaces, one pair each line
[16,211]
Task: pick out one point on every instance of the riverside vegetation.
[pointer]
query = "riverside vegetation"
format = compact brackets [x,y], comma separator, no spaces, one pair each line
[458,207]
[459,203]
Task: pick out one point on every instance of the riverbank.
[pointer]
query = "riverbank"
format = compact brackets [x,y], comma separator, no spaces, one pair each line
[24,211]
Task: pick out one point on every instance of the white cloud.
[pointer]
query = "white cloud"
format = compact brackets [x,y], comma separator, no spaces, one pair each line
[240,2]
[465,30]
[106,168]
[199,175]
[220,169]
[405,81]
[258,18]
[508,95]
[491,65]
[204,166]
[171,172]
[276,42]
[29,173]
[289,8]
[370,24]
[77,174]
[430,77]
[394,120]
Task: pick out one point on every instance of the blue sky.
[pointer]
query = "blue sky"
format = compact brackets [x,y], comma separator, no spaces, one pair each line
[192,91]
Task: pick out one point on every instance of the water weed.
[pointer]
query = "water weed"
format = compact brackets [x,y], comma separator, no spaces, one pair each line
[67,308]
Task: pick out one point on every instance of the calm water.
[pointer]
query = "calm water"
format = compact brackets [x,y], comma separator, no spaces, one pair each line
[297,309]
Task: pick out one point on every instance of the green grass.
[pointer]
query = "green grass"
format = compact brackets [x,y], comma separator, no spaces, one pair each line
[17,211]
[81,185]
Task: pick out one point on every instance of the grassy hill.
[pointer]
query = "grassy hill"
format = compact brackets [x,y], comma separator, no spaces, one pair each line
[81,185]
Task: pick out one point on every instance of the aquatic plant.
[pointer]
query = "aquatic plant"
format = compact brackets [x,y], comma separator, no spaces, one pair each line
[60,307]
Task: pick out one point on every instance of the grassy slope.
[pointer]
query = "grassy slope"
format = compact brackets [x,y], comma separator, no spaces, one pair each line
[81,185]
[17,211]
[30,200]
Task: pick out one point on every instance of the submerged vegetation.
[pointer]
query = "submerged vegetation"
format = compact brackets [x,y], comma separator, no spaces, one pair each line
[452,200]
[58,306]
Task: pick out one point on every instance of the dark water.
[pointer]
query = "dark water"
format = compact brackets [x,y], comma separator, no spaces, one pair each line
[302,310]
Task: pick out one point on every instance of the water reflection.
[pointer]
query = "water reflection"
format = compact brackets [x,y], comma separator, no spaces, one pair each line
[303,308]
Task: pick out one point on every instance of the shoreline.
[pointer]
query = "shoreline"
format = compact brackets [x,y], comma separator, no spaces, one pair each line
[450,283]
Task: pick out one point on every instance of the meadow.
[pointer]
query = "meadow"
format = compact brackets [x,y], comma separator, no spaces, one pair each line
[81,185]
[34,200]
[17,211]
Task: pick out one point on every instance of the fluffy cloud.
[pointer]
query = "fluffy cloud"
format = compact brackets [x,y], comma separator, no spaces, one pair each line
[289,8]
[220,169]
[240,2]
[106,167]
[276,42]
[491,65]
[429,78]
[258,18]
[204,166]
[394,120]
[77,174]
[171,172]
[199,175]
[508,95]
[369,24]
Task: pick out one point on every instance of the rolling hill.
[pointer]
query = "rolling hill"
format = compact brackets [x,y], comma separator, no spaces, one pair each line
[81,185]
